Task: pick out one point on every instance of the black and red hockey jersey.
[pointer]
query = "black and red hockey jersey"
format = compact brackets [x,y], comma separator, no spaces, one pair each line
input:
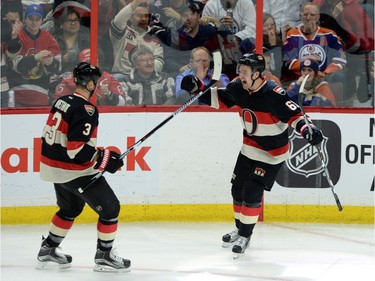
[266,114]
[69,140]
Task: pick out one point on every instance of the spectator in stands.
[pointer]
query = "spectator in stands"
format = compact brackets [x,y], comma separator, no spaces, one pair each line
[39,58]
[144,85]
[239,18]
[354,26]
[71,39]
[272,42]
[107,11]
[285,12]
[267,73]
[316,91]
[193,33]
[200,60]
[46,5]
[51,20]
[11,25]
[237,15]
[313,42]
[108,91]
[167,13]
[125,37]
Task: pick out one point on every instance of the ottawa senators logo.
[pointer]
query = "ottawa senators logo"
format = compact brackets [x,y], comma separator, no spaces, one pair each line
[259,172]
[90,109]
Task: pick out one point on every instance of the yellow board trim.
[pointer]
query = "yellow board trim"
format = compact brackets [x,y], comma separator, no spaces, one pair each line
[198,213]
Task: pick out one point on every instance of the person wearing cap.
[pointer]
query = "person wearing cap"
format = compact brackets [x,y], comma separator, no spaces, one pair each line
[38,59]
[109,90]
[317,91]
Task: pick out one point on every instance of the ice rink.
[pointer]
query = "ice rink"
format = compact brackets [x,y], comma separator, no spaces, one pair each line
[192,251]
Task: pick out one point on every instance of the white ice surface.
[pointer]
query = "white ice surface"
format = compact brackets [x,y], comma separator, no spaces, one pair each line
[193,252]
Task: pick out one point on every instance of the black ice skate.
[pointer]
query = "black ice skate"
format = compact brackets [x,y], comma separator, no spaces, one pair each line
[108,261]
[49,254]
[230,238]
[240,246]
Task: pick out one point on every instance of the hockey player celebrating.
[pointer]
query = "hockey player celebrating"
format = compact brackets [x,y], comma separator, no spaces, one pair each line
[266,112]
[70,159]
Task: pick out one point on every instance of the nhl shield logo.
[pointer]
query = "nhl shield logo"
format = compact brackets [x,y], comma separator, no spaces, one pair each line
[304,158]
[304,168]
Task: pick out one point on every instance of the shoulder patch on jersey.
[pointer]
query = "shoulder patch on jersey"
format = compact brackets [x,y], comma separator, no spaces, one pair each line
[90,109]
[279,90]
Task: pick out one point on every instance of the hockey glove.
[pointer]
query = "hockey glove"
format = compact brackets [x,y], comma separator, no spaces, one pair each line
[192,84]
[108,161]
[315,138]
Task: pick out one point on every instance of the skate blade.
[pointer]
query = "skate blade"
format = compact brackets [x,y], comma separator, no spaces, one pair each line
[45,265]
[226,244]
[238,255]
[105,268]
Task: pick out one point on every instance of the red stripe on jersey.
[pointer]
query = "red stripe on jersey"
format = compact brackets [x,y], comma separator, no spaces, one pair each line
[74,145]
[274,152]
[59,222]
[64,165]
[104,228]
[251,212]
[63,127]
[237,208]
[262,117]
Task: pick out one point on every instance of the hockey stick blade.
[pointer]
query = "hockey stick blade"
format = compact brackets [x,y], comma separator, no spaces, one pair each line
[318,148]
[215,77]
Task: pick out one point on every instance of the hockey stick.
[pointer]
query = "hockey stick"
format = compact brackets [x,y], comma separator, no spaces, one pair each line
[318,147]
[215,77]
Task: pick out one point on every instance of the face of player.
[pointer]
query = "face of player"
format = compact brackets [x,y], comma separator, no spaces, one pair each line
[307,70]
[140,18]
[189,19]
[33,24]
[200,60]
[145,64]
[72,24]
[245,73]
[310,16]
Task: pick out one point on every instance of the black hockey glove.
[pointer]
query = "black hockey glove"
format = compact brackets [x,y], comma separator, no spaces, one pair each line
[315,138]
[192,84]
[108,161]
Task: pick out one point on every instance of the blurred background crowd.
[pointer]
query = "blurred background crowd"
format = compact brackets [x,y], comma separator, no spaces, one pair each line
[146,47]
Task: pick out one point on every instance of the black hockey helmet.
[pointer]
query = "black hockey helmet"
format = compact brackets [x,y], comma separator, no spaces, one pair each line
[255,61]
[85,72]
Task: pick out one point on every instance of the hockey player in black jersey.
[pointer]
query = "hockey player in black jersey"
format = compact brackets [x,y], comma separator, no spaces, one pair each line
[266,112]
[69,160]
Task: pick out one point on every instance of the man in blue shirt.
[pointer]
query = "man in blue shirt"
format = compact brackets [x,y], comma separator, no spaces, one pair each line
[200,59]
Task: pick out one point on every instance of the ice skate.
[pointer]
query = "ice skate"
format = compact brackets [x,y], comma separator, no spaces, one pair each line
[230,238]
[48,254]
[108,261]
[240,246]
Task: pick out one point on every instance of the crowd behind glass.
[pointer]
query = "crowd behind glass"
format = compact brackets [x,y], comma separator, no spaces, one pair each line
[146,47]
